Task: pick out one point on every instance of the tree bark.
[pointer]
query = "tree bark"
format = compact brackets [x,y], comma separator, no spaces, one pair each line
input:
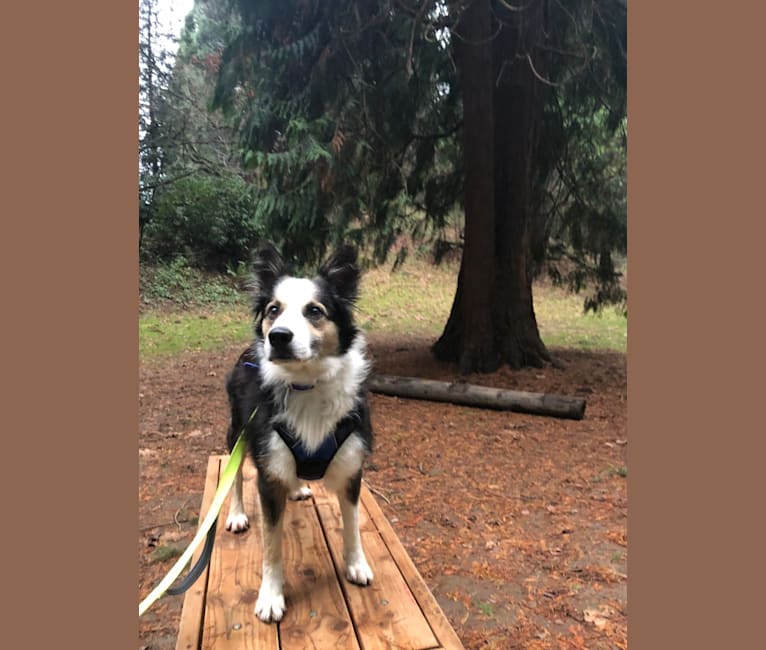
[493,320]
[468,336]
[518,108]
[560,406]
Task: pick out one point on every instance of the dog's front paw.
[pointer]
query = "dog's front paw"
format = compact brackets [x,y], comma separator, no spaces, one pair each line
[301,494]
[237,523]
[359,572]
[270,605]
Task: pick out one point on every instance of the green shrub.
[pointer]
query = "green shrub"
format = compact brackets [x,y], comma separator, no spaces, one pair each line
[209,221]
[176,284]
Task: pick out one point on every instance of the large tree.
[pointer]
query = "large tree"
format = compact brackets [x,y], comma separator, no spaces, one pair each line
[360,117]
[514,63]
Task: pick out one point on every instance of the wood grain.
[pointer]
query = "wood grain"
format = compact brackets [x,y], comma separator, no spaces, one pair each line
[317,616]
[235,576]
[190,626]
[430,608]
[324,610]
[385,613]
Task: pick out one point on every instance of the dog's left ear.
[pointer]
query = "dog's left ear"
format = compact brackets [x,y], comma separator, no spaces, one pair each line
[342,273]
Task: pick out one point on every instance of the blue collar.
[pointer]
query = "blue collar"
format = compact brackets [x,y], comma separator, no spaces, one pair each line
[250,364]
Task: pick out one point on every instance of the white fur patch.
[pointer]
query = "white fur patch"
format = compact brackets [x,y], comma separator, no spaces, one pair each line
[313,414]
[280,463]
[293,294]
[301,494]
[270,605]
[347,462]
[237,522]
[359,572]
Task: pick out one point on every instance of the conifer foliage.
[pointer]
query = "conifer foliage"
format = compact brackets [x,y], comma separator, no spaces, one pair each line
[362,119]
[490,127]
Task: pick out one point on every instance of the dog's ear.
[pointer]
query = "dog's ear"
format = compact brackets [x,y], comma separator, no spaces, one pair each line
[342,273]
[268,267]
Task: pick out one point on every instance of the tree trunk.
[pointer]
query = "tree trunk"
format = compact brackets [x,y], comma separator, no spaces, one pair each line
[468,336]
[492,320]
[518,108]
[560,406]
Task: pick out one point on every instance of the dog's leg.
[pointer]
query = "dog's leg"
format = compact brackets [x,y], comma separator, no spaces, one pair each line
[357,569]
[237,520]
[270,605]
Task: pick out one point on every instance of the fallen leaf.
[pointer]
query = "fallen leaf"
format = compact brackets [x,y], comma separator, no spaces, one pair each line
[598,617]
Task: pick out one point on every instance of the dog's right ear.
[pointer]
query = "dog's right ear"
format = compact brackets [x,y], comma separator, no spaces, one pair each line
[268,267]
[342,273]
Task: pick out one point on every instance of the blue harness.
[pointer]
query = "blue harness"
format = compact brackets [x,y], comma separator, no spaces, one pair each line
[311,466]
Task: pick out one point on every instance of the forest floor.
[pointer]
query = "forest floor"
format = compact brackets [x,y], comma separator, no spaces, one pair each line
[517,523]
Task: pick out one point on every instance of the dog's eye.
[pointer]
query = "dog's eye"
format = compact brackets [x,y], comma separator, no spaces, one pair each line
[272,311]
[312,311]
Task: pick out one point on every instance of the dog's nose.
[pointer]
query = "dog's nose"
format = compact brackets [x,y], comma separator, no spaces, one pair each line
[279,337]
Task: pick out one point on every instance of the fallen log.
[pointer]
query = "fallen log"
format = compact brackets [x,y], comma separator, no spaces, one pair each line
[560,406]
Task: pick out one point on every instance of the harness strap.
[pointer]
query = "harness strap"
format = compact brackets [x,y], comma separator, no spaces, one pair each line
[311,466]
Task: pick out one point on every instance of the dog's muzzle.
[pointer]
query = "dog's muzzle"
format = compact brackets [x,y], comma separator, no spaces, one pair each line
[280,339]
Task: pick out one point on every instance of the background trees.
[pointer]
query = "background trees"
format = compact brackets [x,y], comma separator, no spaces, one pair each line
[483,126]
[154,72]
[198,200]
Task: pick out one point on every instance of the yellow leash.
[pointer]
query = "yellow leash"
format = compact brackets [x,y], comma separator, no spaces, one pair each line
[224,485]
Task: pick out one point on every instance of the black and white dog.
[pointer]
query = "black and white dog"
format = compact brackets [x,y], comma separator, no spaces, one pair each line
[305,373]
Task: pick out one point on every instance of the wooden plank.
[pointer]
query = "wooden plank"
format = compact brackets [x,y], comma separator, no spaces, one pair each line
[316,616]
[386,614]
[190,627]
[323,609]
[235,576]
[323,497]
[441,627]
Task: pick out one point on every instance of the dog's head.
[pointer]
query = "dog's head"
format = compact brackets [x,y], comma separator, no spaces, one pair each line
[300,319]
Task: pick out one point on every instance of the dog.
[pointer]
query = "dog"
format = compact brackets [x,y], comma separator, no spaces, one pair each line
[305,373]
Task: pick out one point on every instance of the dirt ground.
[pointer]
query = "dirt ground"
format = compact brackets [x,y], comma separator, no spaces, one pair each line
[518,523]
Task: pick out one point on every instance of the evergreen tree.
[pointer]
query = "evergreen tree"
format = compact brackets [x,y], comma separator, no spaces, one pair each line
[361,119]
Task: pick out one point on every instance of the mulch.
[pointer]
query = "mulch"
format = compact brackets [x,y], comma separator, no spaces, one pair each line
[518,523]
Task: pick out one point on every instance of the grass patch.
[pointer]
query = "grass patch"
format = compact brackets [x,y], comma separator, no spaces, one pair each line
[486,609]
[165,553]
[621,471]
[418,298]
[185,310]
[564,324]
[165,332]
[414,300]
